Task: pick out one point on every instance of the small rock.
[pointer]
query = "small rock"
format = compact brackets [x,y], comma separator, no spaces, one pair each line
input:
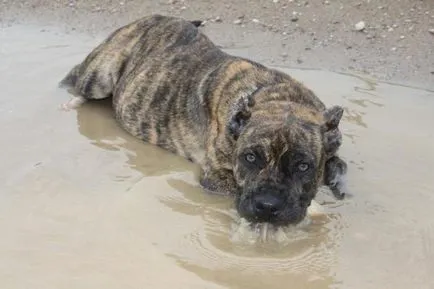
[238,22]
[395,25]
[401,37]
[299,61]
[275,1]
[393,49]
[360,26]
[218,19]
[390,29]
[326,2]
[254,20]
[122,3]
[431,31]
[294,18]
[183,7]
[284,54]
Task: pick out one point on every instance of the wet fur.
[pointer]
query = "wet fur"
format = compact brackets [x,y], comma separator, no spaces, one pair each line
[172,87]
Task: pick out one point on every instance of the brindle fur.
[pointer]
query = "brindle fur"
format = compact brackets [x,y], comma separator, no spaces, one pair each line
[172,87]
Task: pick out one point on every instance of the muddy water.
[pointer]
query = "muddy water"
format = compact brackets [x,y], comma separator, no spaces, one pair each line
[84,205]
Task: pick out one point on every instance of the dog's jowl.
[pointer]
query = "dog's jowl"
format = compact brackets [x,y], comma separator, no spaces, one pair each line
[256,133]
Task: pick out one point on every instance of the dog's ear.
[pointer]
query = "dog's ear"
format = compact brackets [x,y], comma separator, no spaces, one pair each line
[332,135]
[239,116]
[237,123]
[332,117]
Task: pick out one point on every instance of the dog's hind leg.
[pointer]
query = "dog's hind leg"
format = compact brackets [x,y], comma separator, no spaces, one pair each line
[96,77]
[88,83]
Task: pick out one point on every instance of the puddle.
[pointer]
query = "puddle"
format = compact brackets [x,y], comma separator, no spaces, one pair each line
[84,205]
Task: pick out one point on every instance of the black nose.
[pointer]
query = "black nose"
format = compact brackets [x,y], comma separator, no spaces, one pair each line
[267,206]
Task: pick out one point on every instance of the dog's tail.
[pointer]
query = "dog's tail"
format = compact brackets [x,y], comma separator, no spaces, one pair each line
[70,79]
[197,23]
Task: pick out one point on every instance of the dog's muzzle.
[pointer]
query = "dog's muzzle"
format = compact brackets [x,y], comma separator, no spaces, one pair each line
[272,205]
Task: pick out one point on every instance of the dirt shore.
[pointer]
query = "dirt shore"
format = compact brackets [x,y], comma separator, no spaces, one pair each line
[395,42]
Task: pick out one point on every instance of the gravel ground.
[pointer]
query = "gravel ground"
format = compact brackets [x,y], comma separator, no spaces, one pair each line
[391,40]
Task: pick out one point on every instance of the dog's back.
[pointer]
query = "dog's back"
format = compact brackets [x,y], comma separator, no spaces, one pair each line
[170,84]
[96,77]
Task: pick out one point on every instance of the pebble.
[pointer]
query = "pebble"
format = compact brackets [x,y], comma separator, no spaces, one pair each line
[254,20]
[431,31]
[275,1]
[218,19]
[401,37]
[360,26]
[393,49]
[238,22]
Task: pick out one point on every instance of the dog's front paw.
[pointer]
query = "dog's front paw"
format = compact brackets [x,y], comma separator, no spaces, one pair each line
[334,176]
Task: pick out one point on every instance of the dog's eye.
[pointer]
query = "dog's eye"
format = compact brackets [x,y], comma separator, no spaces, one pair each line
[250,158]
[303,167]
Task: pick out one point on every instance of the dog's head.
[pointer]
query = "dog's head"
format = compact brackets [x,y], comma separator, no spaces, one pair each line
[279,159]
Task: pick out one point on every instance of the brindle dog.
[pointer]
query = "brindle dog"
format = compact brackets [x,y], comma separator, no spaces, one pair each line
[255,132]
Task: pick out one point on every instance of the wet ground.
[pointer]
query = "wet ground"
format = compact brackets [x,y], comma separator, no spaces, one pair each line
[84,205]
[394,45]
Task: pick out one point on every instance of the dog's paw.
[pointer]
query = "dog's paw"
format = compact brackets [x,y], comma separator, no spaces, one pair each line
[73,103]
[334,176]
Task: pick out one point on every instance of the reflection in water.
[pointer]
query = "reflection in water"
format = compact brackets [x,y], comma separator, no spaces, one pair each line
[354,117]
[363,102]
[96,122]
[306,256]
